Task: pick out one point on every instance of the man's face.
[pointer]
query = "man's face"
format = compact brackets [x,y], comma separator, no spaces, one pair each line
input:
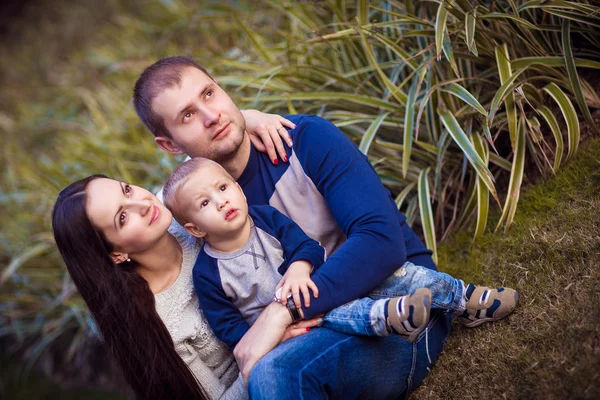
[201,117]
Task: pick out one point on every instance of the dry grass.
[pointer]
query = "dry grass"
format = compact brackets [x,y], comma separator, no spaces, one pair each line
[550,347]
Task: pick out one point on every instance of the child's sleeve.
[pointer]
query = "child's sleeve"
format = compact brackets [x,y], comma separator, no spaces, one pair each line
[223,316]
[295,243]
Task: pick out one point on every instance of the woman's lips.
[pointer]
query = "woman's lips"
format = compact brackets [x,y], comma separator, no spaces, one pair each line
[155,214]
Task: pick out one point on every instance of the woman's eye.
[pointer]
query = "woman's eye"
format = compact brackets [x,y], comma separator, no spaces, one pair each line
[122,218]
[127,190]
[223,187]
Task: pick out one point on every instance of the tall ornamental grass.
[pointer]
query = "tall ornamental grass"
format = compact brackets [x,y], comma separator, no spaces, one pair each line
[454,102]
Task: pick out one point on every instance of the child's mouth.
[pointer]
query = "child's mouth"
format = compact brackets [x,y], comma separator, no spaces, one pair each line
[231,214]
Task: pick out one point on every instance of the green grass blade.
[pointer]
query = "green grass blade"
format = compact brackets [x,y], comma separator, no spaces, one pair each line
[505,72]
[470,32]
[404,193]
[332,96]
[255,39]
[516,178]
[427,213]
[463,94]
[568,111]
[409,120]
[525,62]
[572,72]
[553,123]
[469,151]
[440,28]
[483,194]
[370,133]
[363,12]
[506,87]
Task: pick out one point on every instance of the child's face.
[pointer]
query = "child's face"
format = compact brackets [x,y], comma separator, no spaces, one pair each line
[214,204]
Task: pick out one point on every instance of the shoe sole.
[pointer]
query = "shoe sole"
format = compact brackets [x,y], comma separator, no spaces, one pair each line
[425,315]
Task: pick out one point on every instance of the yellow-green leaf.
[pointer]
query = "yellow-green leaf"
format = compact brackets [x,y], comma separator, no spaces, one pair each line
[427,213]
[568,111]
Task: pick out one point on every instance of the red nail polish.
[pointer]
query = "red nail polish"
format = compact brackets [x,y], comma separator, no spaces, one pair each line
[307,329]
[275,161]
[285,159]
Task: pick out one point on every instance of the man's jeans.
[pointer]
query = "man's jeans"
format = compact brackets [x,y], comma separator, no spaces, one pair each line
[325,364]
[366,316]
[328,364]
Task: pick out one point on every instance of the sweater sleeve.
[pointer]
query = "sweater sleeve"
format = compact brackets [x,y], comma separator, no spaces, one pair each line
[362,207]
[222,315]
[295,243]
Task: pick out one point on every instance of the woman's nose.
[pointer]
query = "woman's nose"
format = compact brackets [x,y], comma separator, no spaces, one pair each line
[142,206]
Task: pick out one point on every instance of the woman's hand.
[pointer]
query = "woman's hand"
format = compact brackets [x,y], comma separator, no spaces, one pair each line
[300,328]
[267,131]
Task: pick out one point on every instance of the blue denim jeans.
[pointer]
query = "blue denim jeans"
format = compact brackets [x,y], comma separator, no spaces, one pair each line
[366,316]
[325,364]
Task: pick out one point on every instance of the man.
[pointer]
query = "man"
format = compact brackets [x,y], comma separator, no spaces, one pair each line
[329,189]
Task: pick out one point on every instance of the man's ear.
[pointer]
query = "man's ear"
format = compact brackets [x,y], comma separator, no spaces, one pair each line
[193,230]
[118,258]
[168,145]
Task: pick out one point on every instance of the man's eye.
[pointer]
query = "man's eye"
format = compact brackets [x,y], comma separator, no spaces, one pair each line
[209,94]
[187,115]
[223,187]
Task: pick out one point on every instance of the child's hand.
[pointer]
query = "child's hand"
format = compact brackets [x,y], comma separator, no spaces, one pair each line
[296,279]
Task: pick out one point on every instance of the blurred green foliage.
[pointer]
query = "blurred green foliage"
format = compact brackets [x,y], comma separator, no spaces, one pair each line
[446,98]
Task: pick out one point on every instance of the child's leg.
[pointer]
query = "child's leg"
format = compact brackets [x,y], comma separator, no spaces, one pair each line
[406,315]
[447,292]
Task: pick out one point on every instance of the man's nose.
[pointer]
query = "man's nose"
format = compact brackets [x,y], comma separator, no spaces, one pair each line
[211,116]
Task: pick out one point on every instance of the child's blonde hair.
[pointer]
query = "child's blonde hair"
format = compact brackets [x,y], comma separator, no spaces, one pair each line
[178,178]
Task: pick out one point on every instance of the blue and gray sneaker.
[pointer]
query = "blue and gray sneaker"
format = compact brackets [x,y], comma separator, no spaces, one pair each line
[409,315]
[487,305]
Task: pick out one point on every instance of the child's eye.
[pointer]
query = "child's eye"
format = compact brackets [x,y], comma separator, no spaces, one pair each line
[223,187]
[204,203]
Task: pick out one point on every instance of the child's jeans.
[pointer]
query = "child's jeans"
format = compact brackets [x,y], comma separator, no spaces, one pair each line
[366,316]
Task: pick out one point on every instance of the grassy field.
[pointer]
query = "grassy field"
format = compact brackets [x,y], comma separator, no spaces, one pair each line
[550,347]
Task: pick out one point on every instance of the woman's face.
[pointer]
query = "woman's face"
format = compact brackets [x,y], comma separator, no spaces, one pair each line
[132,219]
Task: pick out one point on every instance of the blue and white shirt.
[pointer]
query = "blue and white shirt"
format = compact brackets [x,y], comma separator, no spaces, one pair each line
[332,192]
[233,288]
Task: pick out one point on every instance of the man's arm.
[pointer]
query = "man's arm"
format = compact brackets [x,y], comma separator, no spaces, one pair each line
[223,316]
[362,207]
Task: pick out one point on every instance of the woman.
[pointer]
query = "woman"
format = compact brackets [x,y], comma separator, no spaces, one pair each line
[135,276]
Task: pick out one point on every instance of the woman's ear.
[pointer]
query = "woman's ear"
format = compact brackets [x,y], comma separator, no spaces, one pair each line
[118,258]
[193,230]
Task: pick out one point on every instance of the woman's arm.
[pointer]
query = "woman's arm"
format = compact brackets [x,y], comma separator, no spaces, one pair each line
[271,328]
[266,132]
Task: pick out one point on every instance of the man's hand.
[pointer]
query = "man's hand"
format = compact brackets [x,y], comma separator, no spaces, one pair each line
[296,280]
[266,132]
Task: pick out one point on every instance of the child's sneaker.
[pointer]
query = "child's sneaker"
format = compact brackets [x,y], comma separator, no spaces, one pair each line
[487,305]
[409,315]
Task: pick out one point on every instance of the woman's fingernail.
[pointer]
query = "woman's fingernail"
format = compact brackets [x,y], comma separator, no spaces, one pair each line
[307,329]
[275,161]
[285,159]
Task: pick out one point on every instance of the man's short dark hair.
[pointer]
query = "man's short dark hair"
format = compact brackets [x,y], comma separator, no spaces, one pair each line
[163,74]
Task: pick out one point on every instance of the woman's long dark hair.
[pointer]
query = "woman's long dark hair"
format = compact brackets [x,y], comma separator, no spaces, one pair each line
[121,302]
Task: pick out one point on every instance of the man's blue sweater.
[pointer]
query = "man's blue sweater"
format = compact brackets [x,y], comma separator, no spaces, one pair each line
[331,190]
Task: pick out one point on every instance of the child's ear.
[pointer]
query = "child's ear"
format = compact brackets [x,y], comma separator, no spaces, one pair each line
[193,230]
[243,194]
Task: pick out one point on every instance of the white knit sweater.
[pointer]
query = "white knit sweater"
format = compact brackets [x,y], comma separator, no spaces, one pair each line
[208,358]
